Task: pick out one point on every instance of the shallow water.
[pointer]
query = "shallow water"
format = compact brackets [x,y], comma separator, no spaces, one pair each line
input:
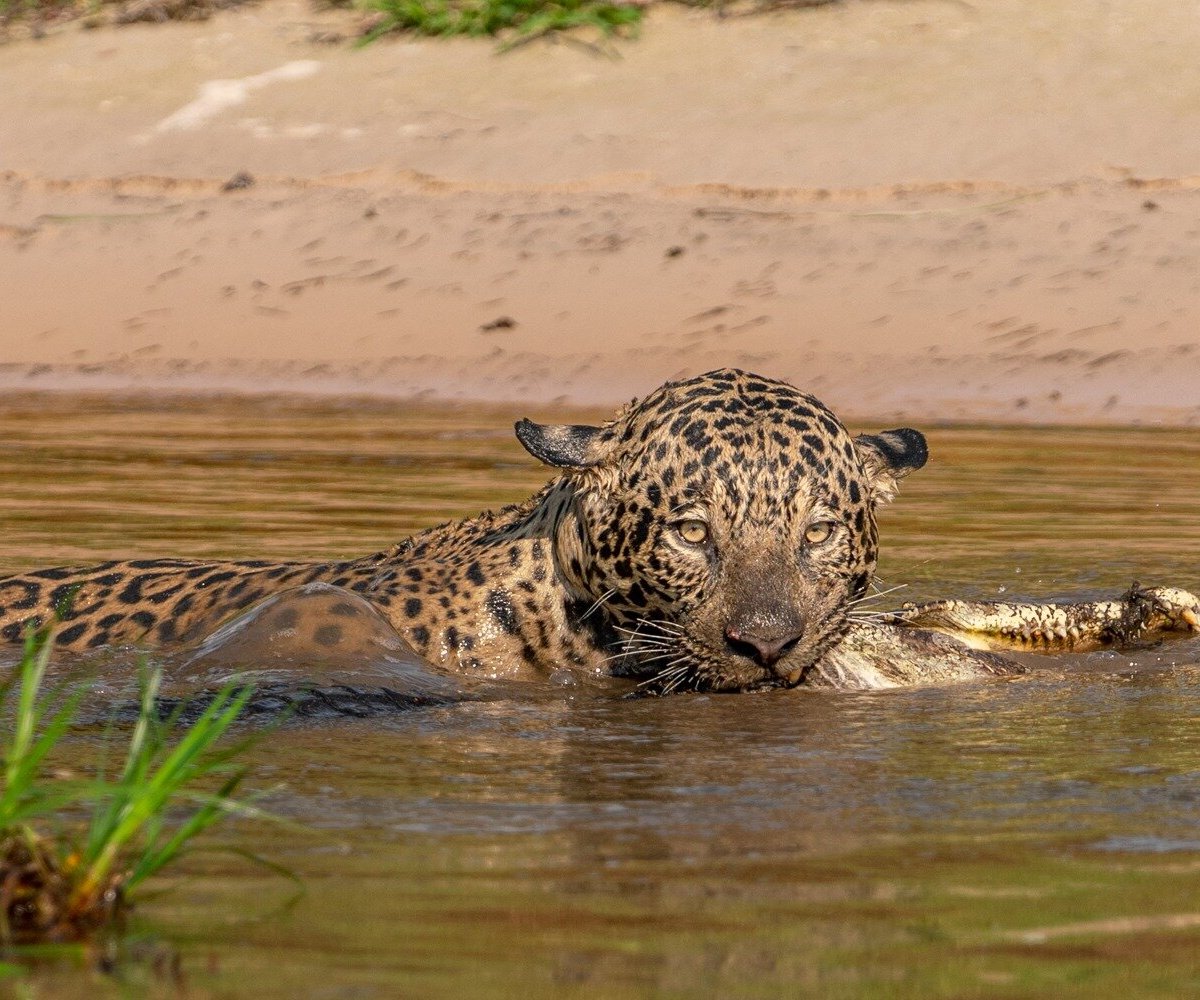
[1017,838]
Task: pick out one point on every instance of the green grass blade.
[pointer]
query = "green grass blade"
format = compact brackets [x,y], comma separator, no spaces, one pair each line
[214,808]
[144,744]
[133,831]
[37,728]
[20,797]
[32,669]
[135,805]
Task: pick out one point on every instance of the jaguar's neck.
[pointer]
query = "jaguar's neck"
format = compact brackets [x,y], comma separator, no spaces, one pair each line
[496,595]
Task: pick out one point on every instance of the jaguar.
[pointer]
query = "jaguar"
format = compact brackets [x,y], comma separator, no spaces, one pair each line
[719,534]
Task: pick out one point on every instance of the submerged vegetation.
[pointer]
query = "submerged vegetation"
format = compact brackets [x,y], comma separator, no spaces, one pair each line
[110,834]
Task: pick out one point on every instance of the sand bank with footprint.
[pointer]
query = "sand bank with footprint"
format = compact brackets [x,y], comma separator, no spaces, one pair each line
[925,210]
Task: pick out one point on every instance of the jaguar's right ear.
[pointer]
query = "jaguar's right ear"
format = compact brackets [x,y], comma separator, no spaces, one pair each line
[888,457]
[564,446]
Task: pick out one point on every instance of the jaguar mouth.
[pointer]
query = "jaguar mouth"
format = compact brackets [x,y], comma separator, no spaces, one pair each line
[666,658]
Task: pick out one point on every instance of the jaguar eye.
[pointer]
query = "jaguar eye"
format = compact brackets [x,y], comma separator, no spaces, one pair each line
[693,532]
[818,532]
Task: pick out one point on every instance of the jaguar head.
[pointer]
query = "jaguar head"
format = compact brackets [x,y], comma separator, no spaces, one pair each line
[723,527]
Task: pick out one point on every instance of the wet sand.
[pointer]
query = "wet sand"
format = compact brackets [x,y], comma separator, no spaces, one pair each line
[919,210]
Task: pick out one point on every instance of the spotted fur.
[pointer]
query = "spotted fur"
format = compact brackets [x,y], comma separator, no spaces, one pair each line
[712,536]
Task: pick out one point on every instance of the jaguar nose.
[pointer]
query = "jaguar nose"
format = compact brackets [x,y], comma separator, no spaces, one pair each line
[765,650]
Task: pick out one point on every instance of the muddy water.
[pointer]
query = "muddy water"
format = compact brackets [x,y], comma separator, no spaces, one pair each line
[1036,837]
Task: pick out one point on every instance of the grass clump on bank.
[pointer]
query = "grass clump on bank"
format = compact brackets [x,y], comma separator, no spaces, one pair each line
[69,885]
[518,21]
[523,19]
[513,21]
[35,17]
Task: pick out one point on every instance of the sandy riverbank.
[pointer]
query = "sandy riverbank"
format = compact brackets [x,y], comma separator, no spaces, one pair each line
[921,209]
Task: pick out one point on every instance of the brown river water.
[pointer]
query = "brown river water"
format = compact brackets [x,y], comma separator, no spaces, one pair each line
[1018,838]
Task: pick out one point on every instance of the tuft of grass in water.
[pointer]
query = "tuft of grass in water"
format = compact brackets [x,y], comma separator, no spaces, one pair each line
[522,19]
[64,888]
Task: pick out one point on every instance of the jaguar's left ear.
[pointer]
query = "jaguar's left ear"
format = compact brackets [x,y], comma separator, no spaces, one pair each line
[889,456]
[564,446]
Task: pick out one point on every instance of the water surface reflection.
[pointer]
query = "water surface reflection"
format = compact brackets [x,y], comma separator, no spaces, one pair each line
[1026,837]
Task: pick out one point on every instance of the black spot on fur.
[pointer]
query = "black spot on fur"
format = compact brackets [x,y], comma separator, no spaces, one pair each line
[132,592]
[27,600]
[832,427]
[499,605]
[815,442]
[328,635]
[697,436]
[143,619]
[72,633]
[166,594]
[218,578]
[55,573]
[287,618]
